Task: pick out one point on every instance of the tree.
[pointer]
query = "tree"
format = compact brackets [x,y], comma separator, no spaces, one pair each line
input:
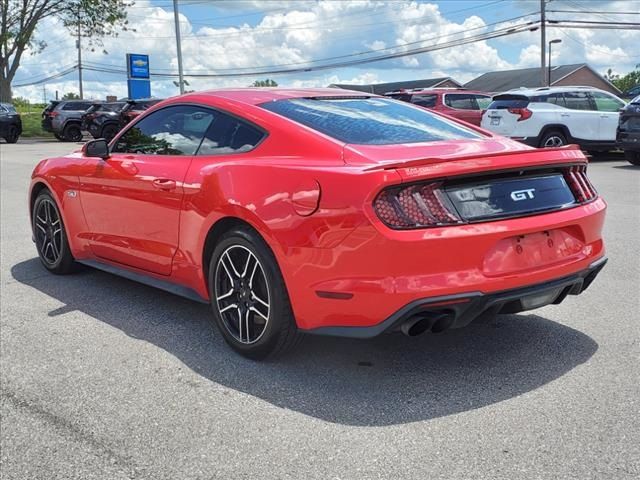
[610,76]
[71,96]
[265,83]
[19,19]
[628,81]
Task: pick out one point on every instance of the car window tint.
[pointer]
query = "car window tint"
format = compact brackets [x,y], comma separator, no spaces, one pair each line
[76,106]
[369,121]
[176,130]
[606,103]
[577,101]
[461,101]
[427,101]
[405,97]
[229,135]
[483,101]
[555,98]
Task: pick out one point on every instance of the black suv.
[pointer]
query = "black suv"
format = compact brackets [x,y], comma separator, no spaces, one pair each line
[10,123]
[63,118]
[628,136]
[102,120]
[133,108]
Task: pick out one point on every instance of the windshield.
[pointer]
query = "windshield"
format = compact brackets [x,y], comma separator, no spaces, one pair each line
[369,121]
[636,100]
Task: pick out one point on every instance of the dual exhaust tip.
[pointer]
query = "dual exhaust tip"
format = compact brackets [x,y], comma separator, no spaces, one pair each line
[424,322]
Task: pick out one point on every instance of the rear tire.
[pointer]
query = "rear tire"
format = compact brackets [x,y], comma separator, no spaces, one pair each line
[553,139]
[109,131]
[59,137]
[72,133]
[13,135]
[249,298]
[51,236]
[632,157]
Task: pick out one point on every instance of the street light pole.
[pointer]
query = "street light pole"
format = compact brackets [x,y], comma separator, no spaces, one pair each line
[177,20]
[551,42]
[543,39]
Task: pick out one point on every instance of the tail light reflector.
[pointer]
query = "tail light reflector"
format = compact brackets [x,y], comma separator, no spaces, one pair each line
[576,178]
[523,112]
[54,114]
[422,205]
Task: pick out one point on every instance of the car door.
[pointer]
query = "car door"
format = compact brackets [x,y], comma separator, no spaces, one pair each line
[132,200]
[580,116]
[608,108]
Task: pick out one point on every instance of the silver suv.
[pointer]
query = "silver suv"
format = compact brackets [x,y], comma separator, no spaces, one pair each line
[64,118]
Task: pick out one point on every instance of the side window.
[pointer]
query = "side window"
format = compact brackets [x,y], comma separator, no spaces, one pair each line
[577,101]
[229,135]
[176,130]
[2,109]
[427,101]
[76,106]
[606,103]
[461,101]
[557,99]
[483,101]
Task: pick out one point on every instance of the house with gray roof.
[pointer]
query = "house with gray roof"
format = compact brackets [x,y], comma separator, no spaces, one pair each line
[382,88]
[561,76]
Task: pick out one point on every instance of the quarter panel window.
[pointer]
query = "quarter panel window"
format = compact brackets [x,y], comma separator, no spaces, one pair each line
[228,134]
[427,101]
[461,101]
[176,130]
[578,101]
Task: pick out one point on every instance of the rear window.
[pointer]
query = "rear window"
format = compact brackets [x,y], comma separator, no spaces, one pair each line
[466,101]
[502,102]
[369,121]
[427,101]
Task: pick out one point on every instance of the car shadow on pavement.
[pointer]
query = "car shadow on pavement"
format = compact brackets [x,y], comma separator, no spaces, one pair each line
[385,381]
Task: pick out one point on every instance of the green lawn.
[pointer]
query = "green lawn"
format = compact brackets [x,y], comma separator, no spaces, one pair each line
[31,117]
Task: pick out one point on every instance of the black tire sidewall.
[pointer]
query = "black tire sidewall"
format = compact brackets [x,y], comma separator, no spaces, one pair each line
[13,135]
[279,306]
[553,133]
[109,128]
[69,129]
[632,157]
[66,260]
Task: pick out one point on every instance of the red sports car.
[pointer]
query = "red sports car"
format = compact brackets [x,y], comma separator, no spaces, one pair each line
[322,211]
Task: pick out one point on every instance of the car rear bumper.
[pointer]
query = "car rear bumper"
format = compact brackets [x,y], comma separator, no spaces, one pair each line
[455,311]
[376,272]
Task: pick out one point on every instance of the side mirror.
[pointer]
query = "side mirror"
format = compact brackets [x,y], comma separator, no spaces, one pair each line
[96,148]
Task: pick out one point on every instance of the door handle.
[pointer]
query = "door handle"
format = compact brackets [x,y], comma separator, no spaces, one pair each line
[164,183]
[565,115]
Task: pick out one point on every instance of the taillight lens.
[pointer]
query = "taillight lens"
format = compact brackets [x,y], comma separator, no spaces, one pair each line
[53,114]
[523,112]
[423,205]
[576,178]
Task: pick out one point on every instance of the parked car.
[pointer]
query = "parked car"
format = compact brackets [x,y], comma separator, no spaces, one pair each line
[64,119]
[556,116]
[308,210]
[629,131]
[632,92]
[10,123]
[466,105]
[133,108]
[102,120]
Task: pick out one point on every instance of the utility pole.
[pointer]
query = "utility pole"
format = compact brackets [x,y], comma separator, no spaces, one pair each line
[79,45]
[543,44]
[177,20]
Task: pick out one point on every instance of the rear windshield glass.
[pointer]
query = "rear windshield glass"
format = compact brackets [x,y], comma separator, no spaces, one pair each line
[508,101]
[369,121]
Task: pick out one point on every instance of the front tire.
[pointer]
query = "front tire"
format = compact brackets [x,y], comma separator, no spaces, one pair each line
[50,235]
[249,298]
[632,157]
[72,133]
[553,139]
[109,131]
[13,135]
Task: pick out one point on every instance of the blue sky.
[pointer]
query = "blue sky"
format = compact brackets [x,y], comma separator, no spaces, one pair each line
[246,35]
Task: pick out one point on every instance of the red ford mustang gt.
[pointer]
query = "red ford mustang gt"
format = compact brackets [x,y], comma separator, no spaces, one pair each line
[322,211]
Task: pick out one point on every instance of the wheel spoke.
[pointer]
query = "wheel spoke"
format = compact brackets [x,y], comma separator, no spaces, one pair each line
[44,230]
[257,298]
[255,267]
[225,295]
[233,267]
[246,265]
[246,325]
[255,310]
[54,249]
[224,265]
[229,307]
[240,324]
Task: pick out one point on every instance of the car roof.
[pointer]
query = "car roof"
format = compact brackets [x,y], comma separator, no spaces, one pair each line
[258,95]
[421,91]
[530,92]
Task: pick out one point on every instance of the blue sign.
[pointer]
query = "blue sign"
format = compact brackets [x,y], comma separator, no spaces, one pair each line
[139,88]
[137,65]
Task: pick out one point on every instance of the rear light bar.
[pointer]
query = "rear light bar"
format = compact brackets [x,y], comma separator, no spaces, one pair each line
[422,205]
[524,113]
[428,205]
[576,178]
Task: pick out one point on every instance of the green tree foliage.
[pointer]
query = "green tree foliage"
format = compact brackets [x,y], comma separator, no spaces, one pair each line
[628,81]
[71,96]
[19,20]
[265,83]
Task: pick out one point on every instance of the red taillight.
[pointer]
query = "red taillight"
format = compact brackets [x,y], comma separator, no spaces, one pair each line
[576,178]
[54,114]
[423,205]
[523,112]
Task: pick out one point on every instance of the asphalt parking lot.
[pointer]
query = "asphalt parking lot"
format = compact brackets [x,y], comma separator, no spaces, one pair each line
[105,378]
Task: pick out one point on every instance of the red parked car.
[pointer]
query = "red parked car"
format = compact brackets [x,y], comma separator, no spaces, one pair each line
[326,212]
[467,105]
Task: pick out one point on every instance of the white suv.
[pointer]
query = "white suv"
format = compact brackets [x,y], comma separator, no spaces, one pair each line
[556,116]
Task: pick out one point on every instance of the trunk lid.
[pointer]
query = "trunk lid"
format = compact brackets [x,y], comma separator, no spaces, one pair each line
[503,114]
